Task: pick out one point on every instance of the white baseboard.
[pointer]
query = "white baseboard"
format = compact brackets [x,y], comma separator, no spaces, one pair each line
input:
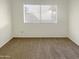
[76,42]
[2,43]
[39,36]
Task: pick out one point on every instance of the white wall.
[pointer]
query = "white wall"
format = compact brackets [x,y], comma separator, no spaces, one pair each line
[5,22]
[74,21]
[37,30]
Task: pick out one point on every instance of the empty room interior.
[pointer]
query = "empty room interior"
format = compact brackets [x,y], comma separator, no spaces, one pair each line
[39,29]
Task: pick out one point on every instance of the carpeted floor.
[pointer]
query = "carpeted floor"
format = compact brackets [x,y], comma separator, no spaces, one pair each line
[39,49]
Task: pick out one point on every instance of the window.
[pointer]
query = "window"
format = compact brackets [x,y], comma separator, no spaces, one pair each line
[40,14]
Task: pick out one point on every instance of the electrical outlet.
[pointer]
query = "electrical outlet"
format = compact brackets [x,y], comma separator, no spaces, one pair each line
[22,32]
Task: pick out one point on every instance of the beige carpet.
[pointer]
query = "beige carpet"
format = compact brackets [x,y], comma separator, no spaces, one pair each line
[40,49]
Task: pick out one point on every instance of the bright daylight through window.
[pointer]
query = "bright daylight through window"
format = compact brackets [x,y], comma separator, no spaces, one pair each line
[40,14]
